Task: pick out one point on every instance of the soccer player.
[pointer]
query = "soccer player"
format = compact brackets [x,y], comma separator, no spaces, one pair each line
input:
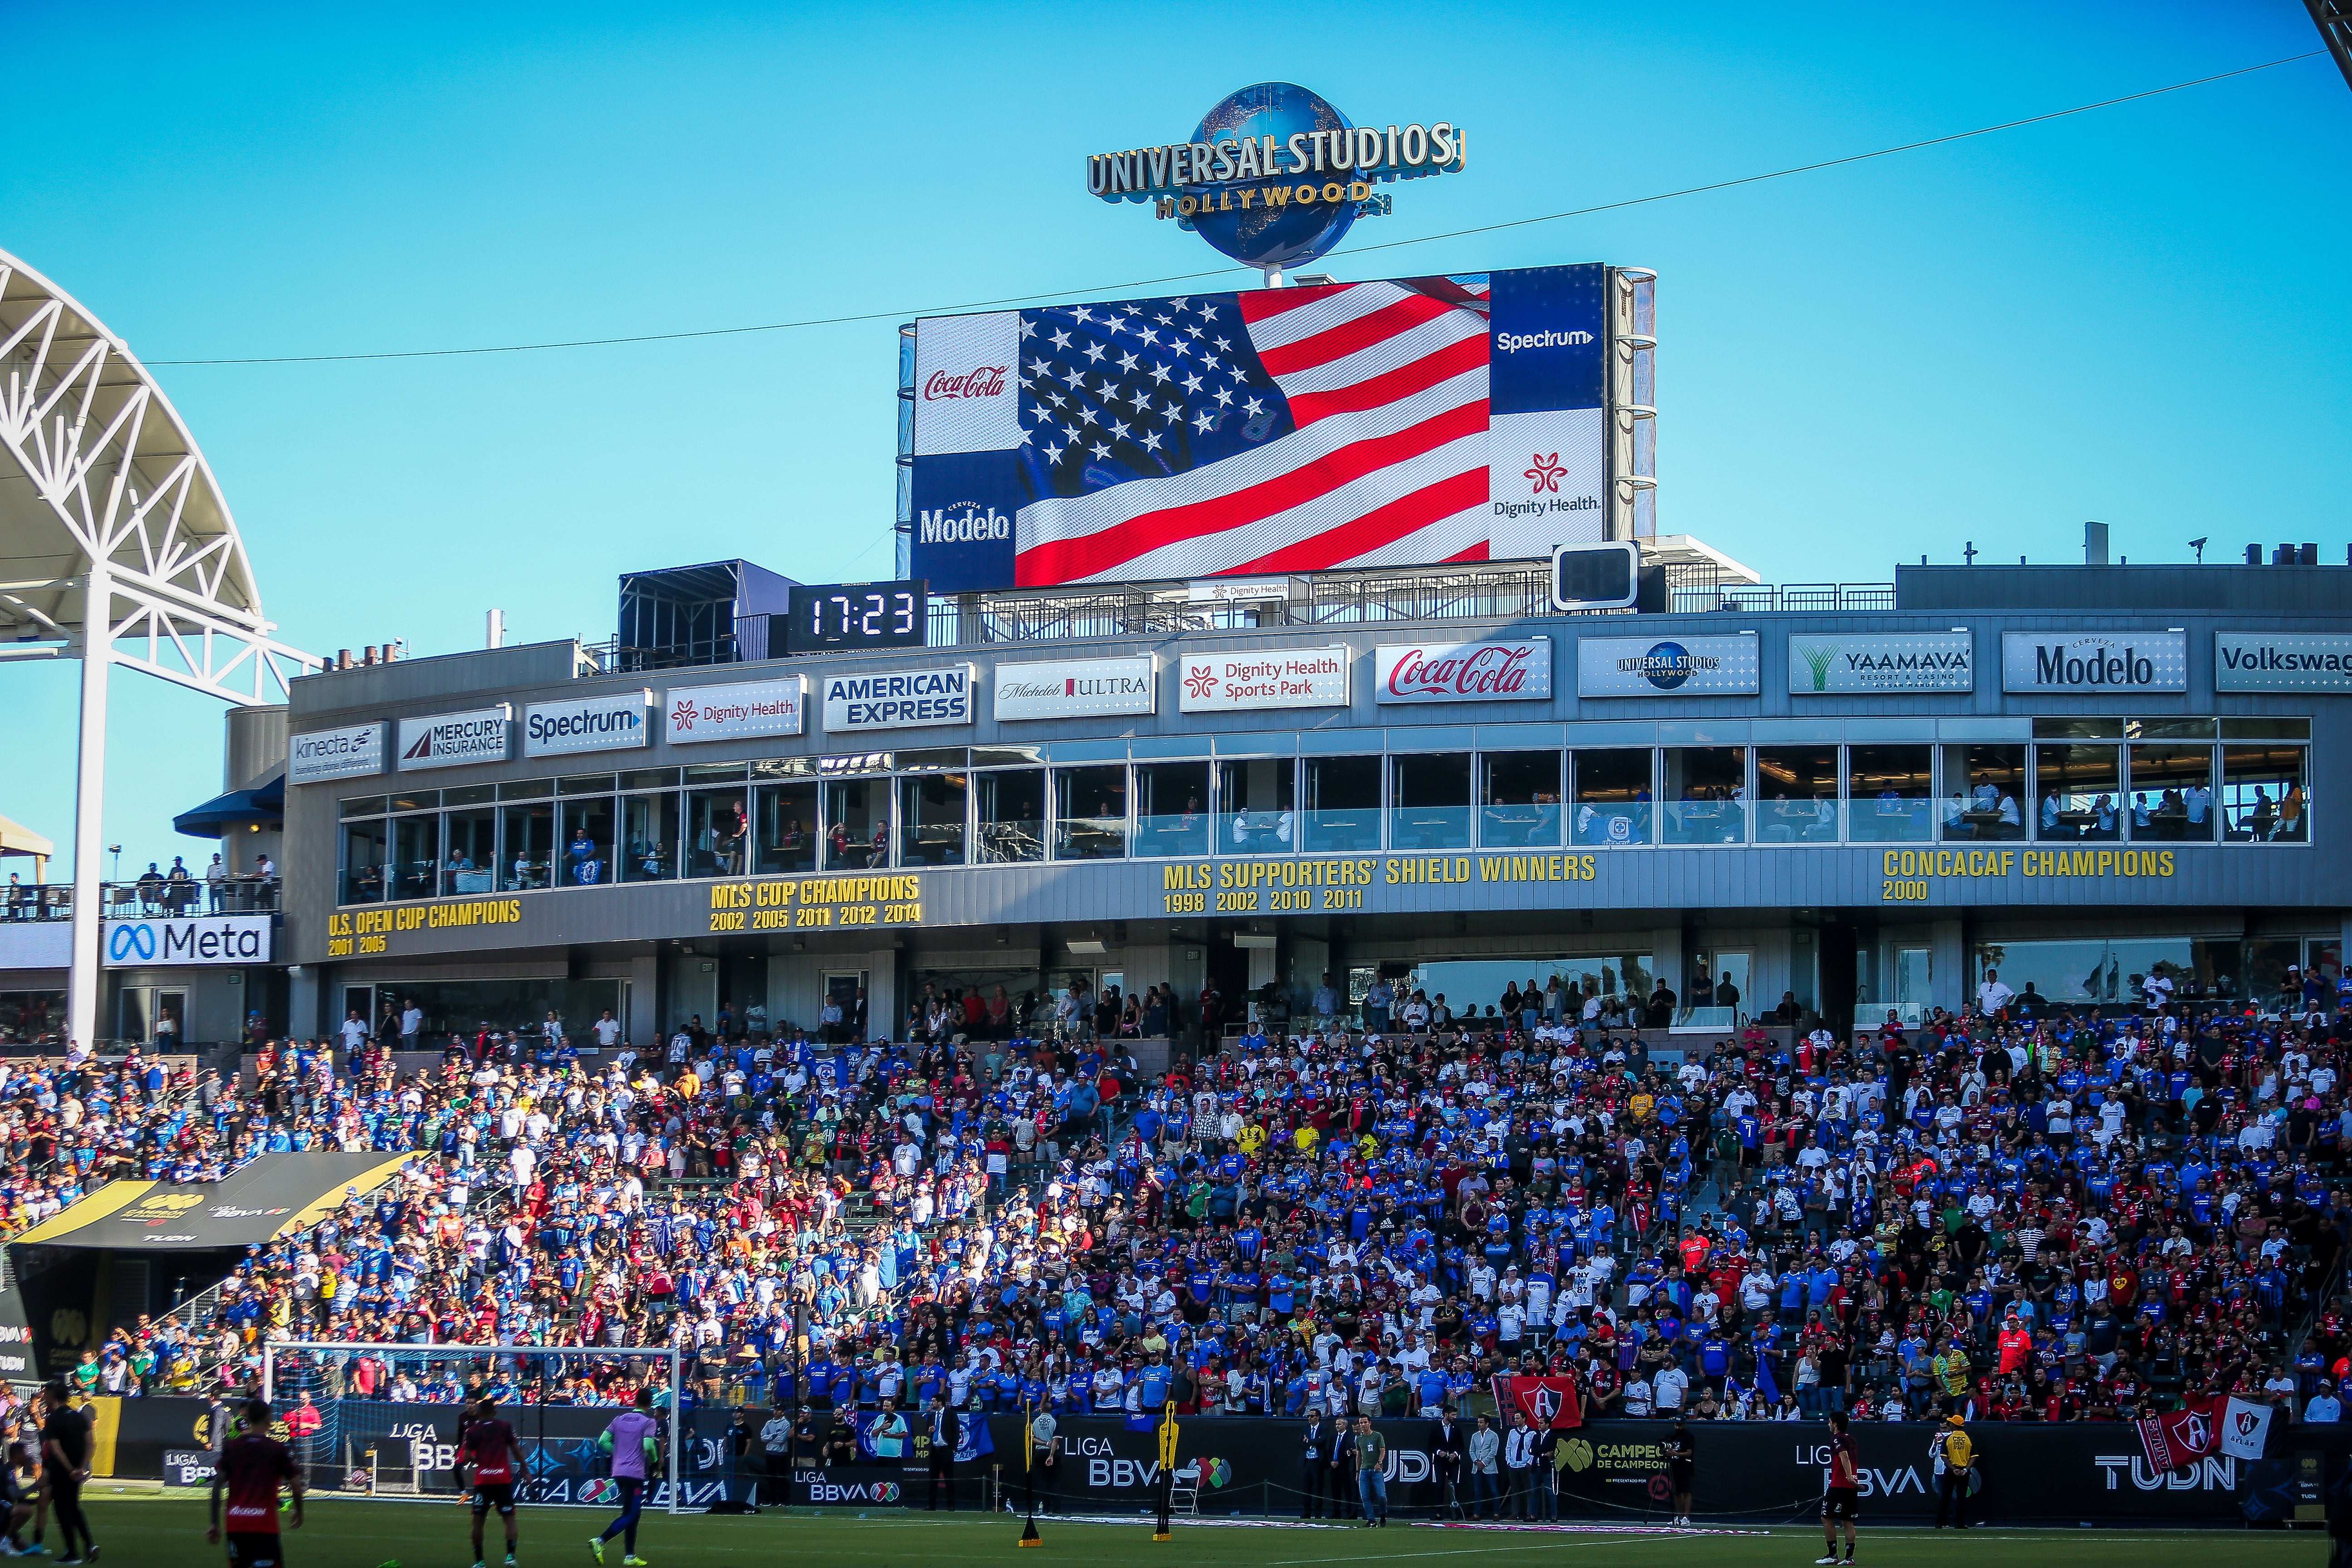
[493,1455]
[253,1467]
[1843,1490]
[634,1439]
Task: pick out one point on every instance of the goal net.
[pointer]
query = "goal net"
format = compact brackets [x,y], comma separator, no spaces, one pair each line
[384,1420]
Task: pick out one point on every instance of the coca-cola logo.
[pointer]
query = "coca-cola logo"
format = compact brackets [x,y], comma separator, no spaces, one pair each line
[985,381]
[1482,670]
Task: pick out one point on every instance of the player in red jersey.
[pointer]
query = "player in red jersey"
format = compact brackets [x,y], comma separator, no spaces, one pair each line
[493,1456]
[1843,1490]
[253,1467]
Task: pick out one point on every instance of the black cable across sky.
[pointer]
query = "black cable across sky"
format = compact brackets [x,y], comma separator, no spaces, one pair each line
[1115,289]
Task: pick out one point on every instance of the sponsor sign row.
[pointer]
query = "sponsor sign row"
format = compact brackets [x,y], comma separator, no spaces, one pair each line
[1235,680]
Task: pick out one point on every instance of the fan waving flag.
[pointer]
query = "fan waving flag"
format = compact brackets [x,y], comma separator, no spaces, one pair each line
[1551,1402]
[1271,431]
[2178,1438]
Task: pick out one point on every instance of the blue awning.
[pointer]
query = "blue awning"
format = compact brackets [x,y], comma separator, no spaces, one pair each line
[263,806]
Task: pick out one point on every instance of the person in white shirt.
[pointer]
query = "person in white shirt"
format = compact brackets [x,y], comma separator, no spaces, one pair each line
[2323,1406]
[1992,995]
[1668,1387]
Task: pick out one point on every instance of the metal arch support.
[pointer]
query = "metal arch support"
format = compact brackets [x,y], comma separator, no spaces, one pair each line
[2334,20]
[129,554]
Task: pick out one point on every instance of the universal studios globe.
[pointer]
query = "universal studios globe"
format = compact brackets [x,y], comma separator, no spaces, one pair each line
[1279,236]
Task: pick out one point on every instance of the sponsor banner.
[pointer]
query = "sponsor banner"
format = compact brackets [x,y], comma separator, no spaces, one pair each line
[188,1468]
[351,752]
[200,940]
[2094,661]
[1077,688]
[1238,591]
[966,383]
[454,740]
[36,944]
[1666,667]
[1270,678]
[1462,672]
[897,700]
[742,711]
[15,1337]
[608,723]
[2285,661]
[1544,481]
[1901,661]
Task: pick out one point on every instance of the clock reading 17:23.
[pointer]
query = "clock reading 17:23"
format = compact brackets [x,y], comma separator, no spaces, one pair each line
[825,617]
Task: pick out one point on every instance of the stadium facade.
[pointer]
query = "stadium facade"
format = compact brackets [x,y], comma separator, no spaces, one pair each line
[2093,779]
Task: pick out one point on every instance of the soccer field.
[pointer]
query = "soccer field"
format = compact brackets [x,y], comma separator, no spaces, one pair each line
[339,1534]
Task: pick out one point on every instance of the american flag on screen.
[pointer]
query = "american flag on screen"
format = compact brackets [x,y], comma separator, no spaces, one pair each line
[1281,430]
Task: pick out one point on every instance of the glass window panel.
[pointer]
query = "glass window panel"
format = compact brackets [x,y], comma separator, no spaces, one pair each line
[2081,794]
[2262,799]
[1706,794]
[415,855]
[1983,784]
[416,800]
[527,789]
[1429,801]
[2172,794]
[2100,973]
[1519,799]
[469,858]
[2273,975]
[2261,729]
[931,819]
[1797,794]
[1613,797]
[1012,803]
[586,826]
[785,830]
[1342,804]
[1090,813]
[527,849]
[364,805]
[717,828]
[2168,729]
[1605,987]
[1171,808]
[649,837]
[585,783]
[2072,729]
[714,773]
[363,862]
[1257,805]
[858,824]
[1890,794]
[470,794]
[1915,993]
[649,778]
[1006,756]
[1719,994]
[936,759]
[783,768]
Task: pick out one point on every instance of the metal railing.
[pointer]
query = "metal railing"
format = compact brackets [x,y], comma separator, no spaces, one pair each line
[143,899]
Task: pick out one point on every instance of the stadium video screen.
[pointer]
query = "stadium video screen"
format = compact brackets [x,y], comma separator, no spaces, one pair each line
[1404,422]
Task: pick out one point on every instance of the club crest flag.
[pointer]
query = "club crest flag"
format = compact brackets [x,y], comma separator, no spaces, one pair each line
[1549,1403]
[2245,1429]
[2178,1438]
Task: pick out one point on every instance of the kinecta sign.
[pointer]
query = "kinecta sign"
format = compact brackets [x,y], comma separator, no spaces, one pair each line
[897,700]
[452,740]
[2098,662]
[589,724]
[1075,687]
[228,940]
[351,751]
[2284,662]
[1464,672]
[737,712]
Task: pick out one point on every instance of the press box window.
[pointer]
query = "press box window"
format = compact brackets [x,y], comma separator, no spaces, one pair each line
[415,855]
[2079,793]
[1090,813]
[1984,791]
[469,864]
[1519,802]
[1613,798]
[1429,796]
[1171,808]
[931,809]
[1257,805]
[2172,794]
[1342,809]
[1890,794]
[718,828]
[362,874]
[785,829]
[1011,804]
[1706,794]
[858,824]
[2262,799]
[586,827]
[1797,794]
[649,837]
[526,847]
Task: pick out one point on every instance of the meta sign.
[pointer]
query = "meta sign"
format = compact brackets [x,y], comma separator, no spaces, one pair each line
[1464,672]
[205,941]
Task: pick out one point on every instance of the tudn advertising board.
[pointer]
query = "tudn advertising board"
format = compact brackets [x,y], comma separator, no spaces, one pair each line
[454,740]
[1902,661]
[1398,423]
[1462,672]
[205,940]
[610,724]
[1667,667]
[742,711]
[2281,661]
[2094,661]
[897,700]
[351,752]
[1247,678]
[1077,688]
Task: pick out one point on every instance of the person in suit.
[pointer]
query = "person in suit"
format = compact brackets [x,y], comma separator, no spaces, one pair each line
[1445,1456]
[1315,1445]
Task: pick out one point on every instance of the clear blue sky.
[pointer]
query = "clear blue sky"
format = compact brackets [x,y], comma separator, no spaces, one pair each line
[2138,315]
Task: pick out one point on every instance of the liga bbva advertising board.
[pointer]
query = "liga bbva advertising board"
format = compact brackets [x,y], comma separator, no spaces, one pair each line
[1405,421]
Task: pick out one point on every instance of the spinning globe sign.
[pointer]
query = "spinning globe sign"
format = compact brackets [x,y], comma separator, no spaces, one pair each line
[1274,176]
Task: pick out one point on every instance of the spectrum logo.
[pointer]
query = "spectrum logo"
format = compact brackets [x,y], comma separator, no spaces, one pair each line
[1512,342]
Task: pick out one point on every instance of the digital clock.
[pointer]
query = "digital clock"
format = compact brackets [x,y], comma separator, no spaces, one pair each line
[825,618]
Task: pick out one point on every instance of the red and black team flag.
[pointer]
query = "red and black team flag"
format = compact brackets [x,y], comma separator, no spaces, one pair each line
[1553,1402]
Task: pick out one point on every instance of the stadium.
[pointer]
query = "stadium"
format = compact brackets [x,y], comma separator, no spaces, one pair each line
[1299,968]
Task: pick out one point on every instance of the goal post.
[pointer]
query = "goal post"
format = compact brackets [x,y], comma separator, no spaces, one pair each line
[382,1420]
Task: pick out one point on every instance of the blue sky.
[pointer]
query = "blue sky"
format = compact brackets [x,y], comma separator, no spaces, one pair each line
[2137,315]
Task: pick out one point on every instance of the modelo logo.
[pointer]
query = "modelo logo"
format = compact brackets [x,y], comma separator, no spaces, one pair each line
[2054,666]
[986,381]
[1512,342]
[942,525]
[1483,670]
